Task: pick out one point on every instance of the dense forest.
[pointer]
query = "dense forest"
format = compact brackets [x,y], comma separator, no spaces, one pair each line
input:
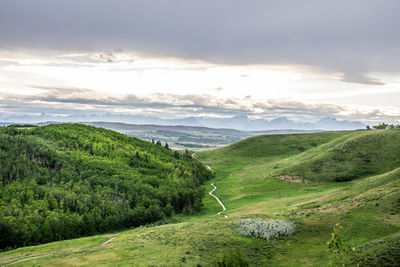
[69,180]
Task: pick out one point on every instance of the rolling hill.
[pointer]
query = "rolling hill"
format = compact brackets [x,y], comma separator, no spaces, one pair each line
[365,154]
[268,176]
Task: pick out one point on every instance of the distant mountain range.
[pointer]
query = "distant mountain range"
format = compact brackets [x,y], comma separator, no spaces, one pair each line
[242,123]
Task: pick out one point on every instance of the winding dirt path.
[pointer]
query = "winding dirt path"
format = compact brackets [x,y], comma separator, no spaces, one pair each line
[26,259]
[45,255]
[109,240]
[211,192]
[219,201]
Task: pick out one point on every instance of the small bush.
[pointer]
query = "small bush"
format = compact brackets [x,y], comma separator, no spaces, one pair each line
[265,229]
[231,259]
[339,251]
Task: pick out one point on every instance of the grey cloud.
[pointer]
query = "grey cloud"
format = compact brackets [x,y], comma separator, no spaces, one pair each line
[353,37]
[50,90]
[360,78]
[230,102]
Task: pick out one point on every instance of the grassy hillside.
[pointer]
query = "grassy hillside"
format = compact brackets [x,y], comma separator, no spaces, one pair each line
[367,153]
[255,178]
[263,148]
[69,180]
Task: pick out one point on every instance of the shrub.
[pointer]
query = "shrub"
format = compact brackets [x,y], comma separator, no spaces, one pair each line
[265,229]
[231,259]
[339,251]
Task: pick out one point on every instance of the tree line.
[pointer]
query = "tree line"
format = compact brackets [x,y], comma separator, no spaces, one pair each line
[383,126]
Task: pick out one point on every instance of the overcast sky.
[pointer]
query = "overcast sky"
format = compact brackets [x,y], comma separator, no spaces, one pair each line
[220,58]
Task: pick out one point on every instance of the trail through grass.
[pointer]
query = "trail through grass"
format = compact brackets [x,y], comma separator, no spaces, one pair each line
[219,201]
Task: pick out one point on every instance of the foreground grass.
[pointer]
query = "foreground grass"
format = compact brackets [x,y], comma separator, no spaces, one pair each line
[172,245]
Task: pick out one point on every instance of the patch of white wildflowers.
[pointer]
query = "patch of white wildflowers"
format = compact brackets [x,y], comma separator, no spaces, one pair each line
[265,229]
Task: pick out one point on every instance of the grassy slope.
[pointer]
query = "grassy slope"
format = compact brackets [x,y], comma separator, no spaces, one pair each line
[368,208]
[259,149]
[252,163]
[367,153]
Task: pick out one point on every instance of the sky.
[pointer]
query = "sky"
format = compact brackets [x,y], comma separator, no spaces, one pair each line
[304,60]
